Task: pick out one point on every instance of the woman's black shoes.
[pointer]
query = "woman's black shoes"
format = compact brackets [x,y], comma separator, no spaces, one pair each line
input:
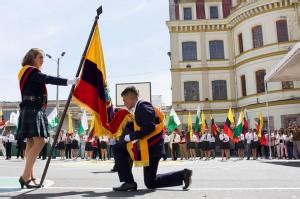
[26,184]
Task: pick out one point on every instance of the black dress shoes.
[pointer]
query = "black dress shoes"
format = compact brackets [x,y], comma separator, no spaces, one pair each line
[187,178]
[126,187]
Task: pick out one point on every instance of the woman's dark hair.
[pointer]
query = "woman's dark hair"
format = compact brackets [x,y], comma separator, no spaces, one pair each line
[31,55]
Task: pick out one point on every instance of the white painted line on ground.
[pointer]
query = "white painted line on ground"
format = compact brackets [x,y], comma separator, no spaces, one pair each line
[192,189]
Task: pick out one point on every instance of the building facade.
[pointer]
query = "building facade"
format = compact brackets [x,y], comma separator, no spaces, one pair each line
[220,51]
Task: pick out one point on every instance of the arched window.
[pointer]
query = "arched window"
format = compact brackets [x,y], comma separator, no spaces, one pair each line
[260,76]
[282,31]
[191,91]
[257,37]
[219,90]
[189,51]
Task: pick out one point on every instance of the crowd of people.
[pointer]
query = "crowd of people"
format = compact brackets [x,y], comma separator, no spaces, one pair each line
[282,144]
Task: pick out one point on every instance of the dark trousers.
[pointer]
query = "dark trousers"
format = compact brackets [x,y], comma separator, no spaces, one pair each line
[20,147]
[68,151]
[166,149]
[8,150]
[290,150]
[248,150]
[175,150]
[151,179]
[115,167]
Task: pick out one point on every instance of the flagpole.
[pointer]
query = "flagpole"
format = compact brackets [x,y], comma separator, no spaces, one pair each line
[99,12]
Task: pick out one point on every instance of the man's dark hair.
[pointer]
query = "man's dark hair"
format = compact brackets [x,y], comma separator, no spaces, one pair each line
[130,89]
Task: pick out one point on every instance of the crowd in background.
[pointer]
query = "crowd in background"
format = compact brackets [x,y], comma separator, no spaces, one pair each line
[282,144]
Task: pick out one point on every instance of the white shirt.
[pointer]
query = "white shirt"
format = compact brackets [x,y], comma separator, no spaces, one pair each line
[242,137]
[9,138]
[255,137]
[206,137]
[249,137]
[224,137]
[176,138]
[104,138]
[289,138]
[166,138]
[212,139]
[195,138]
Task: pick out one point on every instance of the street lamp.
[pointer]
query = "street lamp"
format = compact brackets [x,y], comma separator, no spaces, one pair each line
[57,62]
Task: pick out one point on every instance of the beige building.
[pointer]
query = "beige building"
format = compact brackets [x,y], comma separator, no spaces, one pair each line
[220,52]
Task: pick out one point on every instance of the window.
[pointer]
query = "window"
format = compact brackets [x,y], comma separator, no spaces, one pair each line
[187,13]
[241,46]
[243,84]
[189,51]
[200,9]
[191,91]
[214,14]
[219,90]
[226,4]
[216,49]
[287,84]
[260,86]
[282,31]
[257,37]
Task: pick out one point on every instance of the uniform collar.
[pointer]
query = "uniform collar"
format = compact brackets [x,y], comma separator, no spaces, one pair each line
[134,108]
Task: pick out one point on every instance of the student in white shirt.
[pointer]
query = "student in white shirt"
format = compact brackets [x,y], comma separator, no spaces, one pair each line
[254,144]
[249,139]
[175,144]
[241,146]
[289,144]
[2,147]
[9,139]
[206,137]
[75,145]
[212,146]
[224,145]
[61,144]
[167,140]
[103,146]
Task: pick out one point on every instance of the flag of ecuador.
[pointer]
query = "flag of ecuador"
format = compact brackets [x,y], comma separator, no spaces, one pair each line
[91,92]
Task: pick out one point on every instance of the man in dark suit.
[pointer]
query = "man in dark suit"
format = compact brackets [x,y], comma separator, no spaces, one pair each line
[146,119]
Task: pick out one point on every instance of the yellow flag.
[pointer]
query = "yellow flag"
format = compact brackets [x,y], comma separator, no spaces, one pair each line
[190,125]
[203,122]
[70,126]
[260,125]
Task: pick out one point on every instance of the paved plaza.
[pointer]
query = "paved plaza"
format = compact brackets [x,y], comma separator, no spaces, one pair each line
[214,179]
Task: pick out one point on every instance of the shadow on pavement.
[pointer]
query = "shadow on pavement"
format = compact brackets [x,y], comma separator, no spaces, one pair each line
[289,164]
[88,194]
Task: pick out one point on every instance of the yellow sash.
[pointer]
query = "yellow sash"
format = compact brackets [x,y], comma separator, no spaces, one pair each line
[143,143]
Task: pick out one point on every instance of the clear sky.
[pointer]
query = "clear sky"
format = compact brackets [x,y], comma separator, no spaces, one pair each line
[134,35]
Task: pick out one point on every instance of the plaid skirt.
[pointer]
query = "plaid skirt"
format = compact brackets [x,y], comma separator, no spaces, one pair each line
[32,122]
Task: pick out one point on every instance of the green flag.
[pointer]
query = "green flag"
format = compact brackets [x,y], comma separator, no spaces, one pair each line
[173,121]
[239,127]
[198,120]
[83,124]
[53,119]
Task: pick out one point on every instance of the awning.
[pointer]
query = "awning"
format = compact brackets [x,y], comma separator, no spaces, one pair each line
[288,69]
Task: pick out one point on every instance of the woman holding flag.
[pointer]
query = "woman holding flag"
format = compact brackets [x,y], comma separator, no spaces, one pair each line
[33,124]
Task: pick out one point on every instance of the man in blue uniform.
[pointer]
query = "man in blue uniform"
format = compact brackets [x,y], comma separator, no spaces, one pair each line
[146,118]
